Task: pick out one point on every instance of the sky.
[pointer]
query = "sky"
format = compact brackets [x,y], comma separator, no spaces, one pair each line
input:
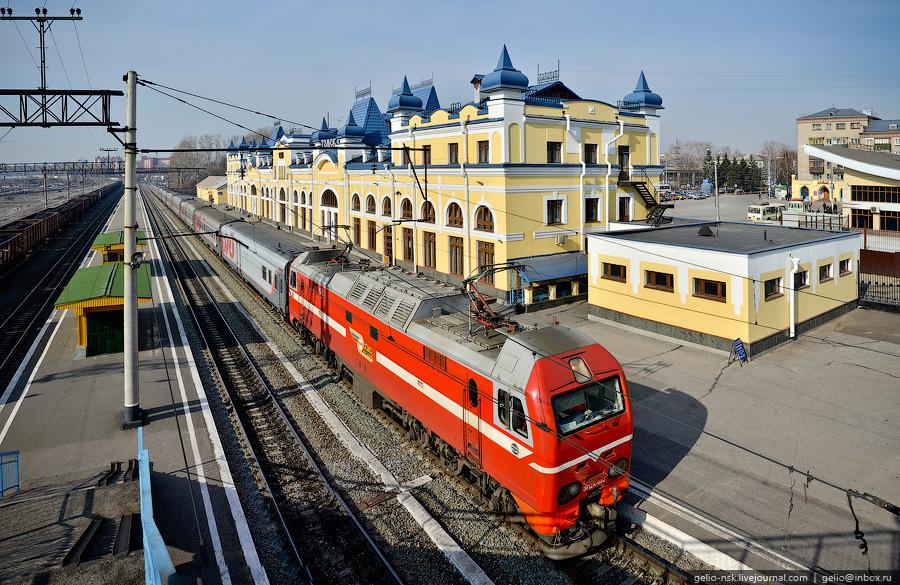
[734,73]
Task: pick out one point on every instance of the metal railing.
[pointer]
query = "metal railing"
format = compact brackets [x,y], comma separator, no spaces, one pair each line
[158,567]
[9,472]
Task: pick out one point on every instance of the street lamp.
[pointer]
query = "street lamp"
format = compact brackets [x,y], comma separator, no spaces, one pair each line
[715,179]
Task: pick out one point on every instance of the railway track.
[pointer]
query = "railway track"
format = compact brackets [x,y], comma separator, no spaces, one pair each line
[624,561]
[322,532]
[21,318]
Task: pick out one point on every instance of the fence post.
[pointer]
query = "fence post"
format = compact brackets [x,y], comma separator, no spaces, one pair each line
[865,238]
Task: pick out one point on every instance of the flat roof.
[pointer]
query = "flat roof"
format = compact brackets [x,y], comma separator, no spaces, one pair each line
[729,237]
[104,281]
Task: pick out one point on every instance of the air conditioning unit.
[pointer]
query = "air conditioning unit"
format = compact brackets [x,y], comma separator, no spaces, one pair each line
[561,239]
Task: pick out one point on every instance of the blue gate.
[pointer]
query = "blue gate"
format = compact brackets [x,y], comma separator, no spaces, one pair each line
[9,472]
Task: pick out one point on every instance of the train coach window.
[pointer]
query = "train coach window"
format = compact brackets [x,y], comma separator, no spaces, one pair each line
[264,273]
[519,423]
[293,280]
[473,393]
[503,407]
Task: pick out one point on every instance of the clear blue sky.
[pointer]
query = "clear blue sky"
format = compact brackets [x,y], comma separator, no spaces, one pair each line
[735,73]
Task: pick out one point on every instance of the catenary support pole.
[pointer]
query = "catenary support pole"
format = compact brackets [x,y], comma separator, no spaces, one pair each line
[131,416]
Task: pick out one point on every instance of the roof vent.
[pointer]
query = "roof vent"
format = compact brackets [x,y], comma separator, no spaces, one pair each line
[705,231]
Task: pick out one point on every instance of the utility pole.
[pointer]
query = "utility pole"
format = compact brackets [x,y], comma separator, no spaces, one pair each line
[131,416]
[716,173]
[46,198]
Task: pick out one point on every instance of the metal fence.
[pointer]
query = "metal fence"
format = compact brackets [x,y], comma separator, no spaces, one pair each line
[9,472]
[158,567]
[879,268]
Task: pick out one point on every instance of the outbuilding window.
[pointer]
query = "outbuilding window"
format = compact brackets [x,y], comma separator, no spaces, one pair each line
[845,266]
[659,280]
[825,272]
[801,279]
[713,290]
[773,288]
[554,152]
[615,272]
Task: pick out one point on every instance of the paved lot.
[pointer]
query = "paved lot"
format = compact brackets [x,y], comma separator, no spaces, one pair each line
[731,207]
[706,432]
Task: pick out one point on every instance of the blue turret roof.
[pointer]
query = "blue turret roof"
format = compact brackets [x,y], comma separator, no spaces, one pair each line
[429,98]
[350,129]
[323,133]
[642,96]
[263,143]
[231,145]
[405,100]
[504,75]
[243,145]
[369,117]
[252,143]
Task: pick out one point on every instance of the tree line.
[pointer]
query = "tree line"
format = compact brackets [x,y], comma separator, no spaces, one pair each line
[748,172]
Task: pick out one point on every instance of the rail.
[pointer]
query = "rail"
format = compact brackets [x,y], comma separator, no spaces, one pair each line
[158,567]
[249,371]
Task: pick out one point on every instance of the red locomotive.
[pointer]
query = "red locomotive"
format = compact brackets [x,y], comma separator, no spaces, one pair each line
[538,420]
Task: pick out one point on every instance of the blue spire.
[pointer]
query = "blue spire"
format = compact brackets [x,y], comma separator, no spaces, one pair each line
[642,83]
[504,63]
[351,129]
[404,90]
[324,125]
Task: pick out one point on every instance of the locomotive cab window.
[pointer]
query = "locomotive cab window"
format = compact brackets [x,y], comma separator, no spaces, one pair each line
[517,417]
[588,405]
[293,279]
[503,407]
[373,332]
[473,393]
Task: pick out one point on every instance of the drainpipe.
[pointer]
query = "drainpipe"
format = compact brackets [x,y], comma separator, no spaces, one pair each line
[468,218]
[393,188]
[606,146]
[580,183]
[792,300]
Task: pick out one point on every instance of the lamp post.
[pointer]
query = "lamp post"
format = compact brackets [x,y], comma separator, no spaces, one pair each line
[716,180]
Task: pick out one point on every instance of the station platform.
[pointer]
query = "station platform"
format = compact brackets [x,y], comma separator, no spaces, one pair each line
[63,413]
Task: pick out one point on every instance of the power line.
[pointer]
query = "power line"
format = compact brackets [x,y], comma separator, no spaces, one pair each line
[69,81]
[252,111]
[24,42]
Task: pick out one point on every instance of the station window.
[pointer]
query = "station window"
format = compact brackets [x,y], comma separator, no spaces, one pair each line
[453,153]
[773,288]
[590,154]
[426,154]
[592,209]
[825,272]
[554,152]
[844,266]
[614,272]
[801,279]
[554,211]
[659,280]
[484,152]
[713,290]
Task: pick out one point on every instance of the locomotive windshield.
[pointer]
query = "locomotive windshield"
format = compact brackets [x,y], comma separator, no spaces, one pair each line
[582,407]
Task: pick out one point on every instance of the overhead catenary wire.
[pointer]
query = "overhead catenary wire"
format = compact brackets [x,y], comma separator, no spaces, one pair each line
[869,497]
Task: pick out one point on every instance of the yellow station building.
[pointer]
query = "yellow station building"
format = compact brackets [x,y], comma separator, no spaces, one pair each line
[521,174]
[212,189]
[713,282]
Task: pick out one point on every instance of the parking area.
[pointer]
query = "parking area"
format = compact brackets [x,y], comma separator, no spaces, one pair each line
[731,207]
[722,438]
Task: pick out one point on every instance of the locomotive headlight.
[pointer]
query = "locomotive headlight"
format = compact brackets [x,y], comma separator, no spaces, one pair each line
[618,468]
[568,492]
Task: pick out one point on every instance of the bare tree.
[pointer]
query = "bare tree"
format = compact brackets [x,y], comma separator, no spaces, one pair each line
[784,160]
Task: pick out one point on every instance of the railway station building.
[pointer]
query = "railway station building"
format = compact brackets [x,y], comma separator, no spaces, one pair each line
[710,283]
[212,189]
[520,174]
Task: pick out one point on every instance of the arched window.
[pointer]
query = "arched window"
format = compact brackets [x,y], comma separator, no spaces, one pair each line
[406,209]
[454,215]
[427,212]
[386,206]
[281,195]
[252,190]
[484,219]
[294,198]
[370,204]
[329,199]
[302,197]
[354,203]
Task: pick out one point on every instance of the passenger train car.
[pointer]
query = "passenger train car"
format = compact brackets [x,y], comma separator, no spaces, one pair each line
[538,420]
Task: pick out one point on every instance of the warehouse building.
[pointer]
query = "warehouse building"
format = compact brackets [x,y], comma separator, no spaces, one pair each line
[212,189]
[713,282]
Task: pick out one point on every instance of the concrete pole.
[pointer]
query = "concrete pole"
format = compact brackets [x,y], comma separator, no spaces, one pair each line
[716,174]
[131,416]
